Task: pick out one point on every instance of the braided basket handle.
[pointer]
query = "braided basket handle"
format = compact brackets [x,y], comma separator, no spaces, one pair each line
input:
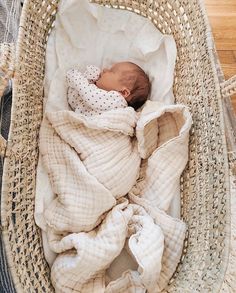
[228,88]
[7,61]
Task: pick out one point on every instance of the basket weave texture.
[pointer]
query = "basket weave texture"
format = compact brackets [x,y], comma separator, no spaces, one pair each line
[204,183]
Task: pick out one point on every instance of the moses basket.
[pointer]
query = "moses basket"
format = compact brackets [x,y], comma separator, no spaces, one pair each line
[205,188]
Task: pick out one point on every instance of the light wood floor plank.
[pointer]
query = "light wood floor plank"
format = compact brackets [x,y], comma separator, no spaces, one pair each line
[222,18]
[216,10]
[220,3]
[227,57]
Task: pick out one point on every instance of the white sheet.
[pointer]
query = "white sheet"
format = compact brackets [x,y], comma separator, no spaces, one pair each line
[85,34]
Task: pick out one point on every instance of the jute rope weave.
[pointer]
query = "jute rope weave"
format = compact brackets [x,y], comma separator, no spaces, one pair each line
[7,61]
[229,87]
[231,272]
[204,183]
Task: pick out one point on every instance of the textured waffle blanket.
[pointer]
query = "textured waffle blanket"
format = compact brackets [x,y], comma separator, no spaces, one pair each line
[114,176]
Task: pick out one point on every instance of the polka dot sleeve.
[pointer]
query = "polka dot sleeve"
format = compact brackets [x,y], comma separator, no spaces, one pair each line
[75,79]
[89,95]
[87,98]
[73,98]
[92,73]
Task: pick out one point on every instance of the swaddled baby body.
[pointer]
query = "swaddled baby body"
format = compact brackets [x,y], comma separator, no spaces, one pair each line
[97,92]
[95,147]
[106,96]
[94,91]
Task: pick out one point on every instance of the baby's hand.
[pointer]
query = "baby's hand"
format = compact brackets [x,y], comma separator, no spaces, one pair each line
[92,73]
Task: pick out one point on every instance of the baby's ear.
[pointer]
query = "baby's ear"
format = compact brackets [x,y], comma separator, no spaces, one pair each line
[125,92]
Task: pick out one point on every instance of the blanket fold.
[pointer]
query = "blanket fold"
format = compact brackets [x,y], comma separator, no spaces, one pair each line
[114,176]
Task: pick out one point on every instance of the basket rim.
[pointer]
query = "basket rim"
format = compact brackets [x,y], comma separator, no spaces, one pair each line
[210,49]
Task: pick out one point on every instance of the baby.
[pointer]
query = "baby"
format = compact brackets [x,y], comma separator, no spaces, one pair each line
[94,91]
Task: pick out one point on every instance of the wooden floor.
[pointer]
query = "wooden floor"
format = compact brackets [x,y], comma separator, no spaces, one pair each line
[222,16]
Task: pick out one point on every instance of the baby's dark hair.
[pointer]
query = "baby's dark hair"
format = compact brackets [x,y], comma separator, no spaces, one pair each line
[139,85]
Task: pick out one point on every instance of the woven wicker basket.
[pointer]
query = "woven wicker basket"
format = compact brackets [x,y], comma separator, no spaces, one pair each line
[205,190]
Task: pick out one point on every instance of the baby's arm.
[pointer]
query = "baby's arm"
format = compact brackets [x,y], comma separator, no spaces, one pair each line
[92,97]
[92,73]
[74,78]
[74,75]
[88,93]
[75,81]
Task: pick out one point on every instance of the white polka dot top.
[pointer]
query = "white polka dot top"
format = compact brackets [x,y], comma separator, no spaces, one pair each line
[86,98]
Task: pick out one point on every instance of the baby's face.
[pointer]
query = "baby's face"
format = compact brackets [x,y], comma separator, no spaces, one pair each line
[110,79]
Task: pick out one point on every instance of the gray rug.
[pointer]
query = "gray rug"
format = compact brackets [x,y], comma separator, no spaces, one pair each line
[9,20]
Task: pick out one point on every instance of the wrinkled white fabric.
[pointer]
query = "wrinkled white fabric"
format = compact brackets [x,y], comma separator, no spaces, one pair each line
[90,224]
[85,150]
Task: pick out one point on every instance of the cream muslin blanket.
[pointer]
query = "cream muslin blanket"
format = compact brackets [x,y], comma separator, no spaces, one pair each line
[113,183]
